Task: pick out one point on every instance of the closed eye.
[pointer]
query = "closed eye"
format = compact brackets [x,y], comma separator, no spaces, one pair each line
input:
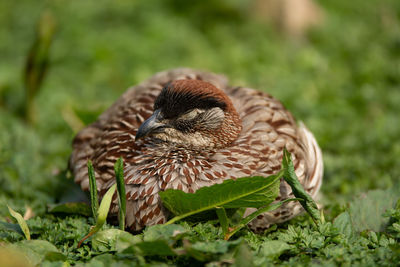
[191,114]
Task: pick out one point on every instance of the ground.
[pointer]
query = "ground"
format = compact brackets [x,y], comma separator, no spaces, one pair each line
[342,79]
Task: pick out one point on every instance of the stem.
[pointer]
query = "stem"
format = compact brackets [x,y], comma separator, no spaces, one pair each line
[119,175]
[252,216]
[223,219]
[86,237]
[93,190]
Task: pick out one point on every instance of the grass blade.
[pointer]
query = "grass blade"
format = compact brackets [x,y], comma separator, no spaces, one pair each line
[223,219]
[102,213]
[245,221]
[105,207]
[94,201]
[119,175]
[37,62]
[21,222]
[291,178]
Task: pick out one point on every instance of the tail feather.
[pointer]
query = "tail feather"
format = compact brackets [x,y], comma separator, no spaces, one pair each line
[314,161]
[312,184]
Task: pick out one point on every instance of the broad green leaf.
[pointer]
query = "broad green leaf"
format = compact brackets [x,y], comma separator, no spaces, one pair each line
[119,175]
[273,248]
[243,192]
[217,246]
[13,257]
[108,239]
[38,251]
[21,222]
[194,253]
[102,213]
[94,201]
[124,241]
[169,232]
[54,256]
[291,178]
[208,250]
[71,208]
[366,211]
[343,224]
[254,197]
[11,227]
[243,256]
[108,260]
[155,248]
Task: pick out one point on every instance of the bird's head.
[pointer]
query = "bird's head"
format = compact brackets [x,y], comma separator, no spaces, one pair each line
[193,114]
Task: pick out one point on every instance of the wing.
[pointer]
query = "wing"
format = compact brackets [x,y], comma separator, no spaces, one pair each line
[267,128]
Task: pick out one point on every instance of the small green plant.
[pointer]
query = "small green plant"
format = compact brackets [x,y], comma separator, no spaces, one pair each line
[22,223]
[100,213]
[291,178]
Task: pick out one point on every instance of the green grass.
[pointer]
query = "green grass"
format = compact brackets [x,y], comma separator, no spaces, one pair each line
[342,80]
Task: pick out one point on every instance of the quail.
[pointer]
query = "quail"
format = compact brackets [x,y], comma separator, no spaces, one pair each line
[185,129]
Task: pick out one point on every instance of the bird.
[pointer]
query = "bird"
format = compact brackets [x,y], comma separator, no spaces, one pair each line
[185,129]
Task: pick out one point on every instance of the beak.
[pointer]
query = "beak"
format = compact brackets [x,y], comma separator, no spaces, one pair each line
[151,125]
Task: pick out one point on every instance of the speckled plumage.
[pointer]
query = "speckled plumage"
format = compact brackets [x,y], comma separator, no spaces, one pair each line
[249,142]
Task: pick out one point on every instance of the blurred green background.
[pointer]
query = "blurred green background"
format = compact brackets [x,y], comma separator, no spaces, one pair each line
[341,77]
